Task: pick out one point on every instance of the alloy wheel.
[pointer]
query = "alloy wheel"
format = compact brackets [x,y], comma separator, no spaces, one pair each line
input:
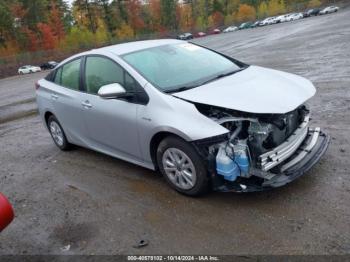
[179,168]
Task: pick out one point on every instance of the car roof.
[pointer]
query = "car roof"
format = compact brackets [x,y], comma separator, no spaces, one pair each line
[129,47]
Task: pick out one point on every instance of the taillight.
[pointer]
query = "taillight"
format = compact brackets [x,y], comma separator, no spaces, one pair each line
[37,85]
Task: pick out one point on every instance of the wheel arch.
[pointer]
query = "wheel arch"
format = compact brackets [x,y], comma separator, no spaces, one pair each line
[155,141]
[47,115]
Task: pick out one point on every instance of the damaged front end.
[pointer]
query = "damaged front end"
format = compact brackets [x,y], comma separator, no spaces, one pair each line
[261,151]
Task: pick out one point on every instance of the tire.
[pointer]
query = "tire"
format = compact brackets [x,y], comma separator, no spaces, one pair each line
[57,134]
[188,175]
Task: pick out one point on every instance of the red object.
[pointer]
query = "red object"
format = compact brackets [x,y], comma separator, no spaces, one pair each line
[6,212]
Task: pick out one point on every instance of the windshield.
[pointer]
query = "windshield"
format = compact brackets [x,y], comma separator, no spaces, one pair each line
[179,66]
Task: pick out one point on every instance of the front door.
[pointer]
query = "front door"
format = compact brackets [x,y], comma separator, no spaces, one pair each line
[111,123]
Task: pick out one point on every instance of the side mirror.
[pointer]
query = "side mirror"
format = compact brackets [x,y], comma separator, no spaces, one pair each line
[112,91]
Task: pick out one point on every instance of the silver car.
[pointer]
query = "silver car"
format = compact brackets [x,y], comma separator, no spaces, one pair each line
[203,119]
[329,9]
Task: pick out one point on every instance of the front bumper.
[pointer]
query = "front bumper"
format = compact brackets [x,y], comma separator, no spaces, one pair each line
[308,154]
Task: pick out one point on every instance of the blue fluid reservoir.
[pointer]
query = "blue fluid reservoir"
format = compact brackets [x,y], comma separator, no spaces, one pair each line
[225,166]
[243,163]
[241,157]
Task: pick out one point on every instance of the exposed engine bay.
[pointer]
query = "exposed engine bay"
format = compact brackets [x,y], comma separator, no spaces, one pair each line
[259,147]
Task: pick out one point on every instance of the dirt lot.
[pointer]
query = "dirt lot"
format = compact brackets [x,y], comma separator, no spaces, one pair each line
[100,205]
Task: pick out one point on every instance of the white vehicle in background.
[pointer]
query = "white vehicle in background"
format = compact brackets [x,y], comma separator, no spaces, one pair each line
[281,18]
[294,16]
[274,20]
[267,21]
[329,9]
[27,69]
[230,29]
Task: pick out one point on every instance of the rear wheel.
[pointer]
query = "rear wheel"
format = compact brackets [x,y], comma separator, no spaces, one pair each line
[182,167]
[58,134]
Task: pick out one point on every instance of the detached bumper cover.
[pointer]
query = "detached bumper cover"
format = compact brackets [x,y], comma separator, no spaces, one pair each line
[304,165]
[287,173]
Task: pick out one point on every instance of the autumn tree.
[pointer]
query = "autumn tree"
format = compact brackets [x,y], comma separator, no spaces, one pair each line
[31,25]
[314,3]
[245,13]
[65,13]
[48,38]
[108,15]
[155,15]
[85,15]
[186,22]
[32,40]
[55,22]
[135,21]
[125,32]
[263,10]
[36,12]
[217,19]
[276,7]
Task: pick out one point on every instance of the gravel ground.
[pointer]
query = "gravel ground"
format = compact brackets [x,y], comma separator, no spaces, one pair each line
[82,202]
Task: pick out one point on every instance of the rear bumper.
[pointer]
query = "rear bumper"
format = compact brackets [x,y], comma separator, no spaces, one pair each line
[302,161]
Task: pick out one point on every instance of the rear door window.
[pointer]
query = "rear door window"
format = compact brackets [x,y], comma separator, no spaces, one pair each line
[70,75]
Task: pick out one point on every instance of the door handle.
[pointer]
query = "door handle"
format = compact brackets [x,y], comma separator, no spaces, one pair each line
[86,104]
[55,97]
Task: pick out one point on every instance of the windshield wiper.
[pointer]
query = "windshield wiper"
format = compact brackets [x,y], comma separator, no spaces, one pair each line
[184,88]
[222,75]
[180,89]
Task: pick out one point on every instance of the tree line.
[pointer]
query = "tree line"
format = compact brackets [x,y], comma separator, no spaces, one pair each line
[32,25]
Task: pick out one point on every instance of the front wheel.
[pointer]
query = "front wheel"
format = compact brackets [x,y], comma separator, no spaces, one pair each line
[182,167]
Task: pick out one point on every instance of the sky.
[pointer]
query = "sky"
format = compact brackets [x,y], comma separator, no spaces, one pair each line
[70,2]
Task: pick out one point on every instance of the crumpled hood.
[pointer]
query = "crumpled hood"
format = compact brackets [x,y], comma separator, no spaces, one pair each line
[254,90]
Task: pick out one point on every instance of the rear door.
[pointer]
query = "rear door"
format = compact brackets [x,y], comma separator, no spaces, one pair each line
[66,98]
[111,123]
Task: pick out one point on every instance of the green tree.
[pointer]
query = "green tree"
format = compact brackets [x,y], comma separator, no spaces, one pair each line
[314,3]
[6,24]
[217,6]
[276,7]
[36,12]
[168,14]
[263,10]
[84,13]
[108,15]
